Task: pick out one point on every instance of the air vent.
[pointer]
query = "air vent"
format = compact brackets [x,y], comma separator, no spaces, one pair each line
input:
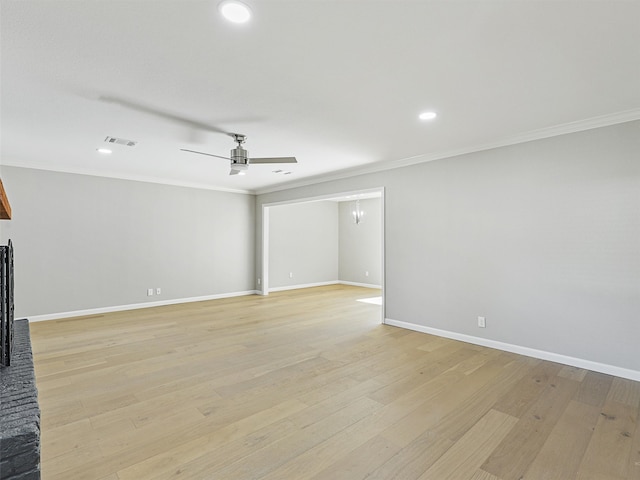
[120,141]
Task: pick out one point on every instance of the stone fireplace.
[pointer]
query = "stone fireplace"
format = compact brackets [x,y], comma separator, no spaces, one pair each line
[19,410]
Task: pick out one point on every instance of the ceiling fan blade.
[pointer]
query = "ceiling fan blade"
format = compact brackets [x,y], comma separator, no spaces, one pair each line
[202,153]
[162,114]
[274,160]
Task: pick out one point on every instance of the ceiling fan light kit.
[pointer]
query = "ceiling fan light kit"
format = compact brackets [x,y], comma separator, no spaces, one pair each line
[239,169]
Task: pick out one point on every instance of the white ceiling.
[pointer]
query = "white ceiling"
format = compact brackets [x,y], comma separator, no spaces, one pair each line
[338,84]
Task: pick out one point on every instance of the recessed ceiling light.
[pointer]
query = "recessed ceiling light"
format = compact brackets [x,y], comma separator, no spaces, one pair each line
[103,151]
[427,115]
[236,12]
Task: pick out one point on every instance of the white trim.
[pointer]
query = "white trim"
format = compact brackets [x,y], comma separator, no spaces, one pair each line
[304,285]
[134,306]
[357,284]
[328,196]
[383,256]
[323,284]
[529,352]
[539,134]
[264,277]
[118,176]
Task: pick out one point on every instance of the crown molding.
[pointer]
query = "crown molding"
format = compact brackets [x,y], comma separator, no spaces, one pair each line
[539,134]
[118,176]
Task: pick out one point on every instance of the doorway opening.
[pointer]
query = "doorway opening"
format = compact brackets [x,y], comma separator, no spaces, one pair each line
[305,240]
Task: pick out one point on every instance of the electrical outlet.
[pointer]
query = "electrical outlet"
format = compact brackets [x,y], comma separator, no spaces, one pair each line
[158,291]
[259,281]
[366,274]
[482,323]
[290,274]
[149,292]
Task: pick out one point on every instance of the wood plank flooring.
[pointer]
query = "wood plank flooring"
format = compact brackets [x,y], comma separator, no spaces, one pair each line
[307,384]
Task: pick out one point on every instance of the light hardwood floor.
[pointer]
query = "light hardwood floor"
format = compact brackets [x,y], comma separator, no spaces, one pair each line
[308,384]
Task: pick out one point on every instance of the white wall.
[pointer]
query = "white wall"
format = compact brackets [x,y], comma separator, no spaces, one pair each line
[303,240]
[541,238]
[84,242]
[360,245]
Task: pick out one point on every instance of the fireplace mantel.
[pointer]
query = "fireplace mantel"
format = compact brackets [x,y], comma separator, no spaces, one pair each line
[5,208]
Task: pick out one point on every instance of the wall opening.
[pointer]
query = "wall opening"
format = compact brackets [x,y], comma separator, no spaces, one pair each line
[351,256]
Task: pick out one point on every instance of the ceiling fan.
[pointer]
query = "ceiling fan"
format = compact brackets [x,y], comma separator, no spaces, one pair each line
[239,157]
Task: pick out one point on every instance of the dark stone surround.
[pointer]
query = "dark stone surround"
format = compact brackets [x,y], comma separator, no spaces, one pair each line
[19,411]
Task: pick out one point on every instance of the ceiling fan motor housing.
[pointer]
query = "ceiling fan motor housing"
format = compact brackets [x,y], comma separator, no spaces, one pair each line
[239,156]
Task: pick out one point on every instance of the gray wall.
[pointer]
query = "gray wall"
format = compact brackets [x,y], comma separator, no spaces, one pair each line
[360,245]
[542,238]
[84,242]
[303,240]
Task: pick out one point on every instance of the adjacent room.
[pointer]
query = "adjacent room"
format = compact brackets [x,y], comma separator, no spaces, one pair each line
[317,242]
[320,240]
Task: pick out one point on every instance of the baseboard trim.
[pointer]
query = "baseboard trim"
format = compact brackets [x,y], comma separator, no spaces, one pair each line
[357,284]
[135,306]
[303,285]
[529,352]
[322,284]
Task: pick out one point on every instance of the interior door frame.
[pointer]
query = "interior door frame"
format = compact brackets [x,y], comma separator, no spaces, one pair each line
[264,278]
